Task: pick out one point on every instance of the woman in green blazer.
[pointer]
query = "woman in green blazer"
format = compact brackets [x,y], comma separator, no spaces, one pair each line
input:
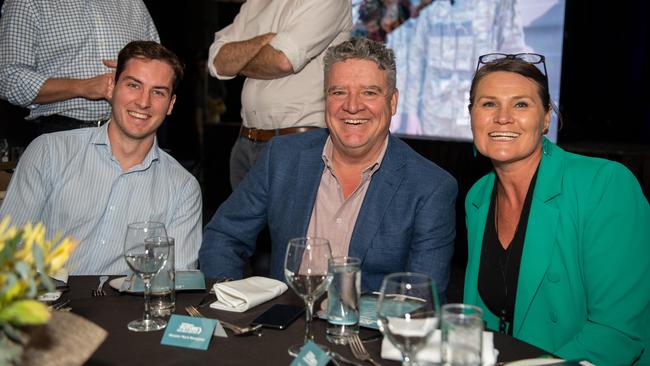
[559,243]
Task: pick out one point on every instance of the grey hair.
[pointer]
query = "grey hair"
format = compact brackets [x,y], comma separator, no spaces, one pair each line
[363,49]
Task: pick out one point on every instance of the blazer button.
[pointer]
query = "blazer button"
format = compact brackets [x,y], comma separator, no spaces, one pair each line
[553,277]
[553,316]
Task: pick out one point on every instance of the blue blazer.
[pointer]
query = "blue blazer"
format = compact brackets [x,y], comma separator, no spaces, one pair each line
[406,221]
[584,280]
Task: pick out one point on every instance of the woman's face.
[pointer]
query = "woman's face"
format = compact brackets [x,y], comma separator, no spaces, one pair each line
[508,118]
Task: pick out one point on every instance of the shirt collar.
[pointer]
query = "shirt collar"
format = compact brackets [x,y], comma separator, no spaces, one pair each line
[100,138]
[371,169]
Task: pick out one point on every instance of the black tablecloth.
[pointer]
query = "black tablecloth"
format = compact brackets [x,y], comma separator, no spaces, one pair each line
[123,347]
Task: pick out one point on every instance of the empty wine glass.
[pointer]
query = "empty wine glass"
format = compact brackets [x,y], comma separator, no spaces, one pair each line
[305,268]
[146,251]
[407,312]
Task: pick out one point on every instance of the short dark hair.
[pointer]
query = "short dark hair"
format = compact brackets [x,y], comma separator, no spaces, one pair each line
[517,66]
[363,49]
[150,50]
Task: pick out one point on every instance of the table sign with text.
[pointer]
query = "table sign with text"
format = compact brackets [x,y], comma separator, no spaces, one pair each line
[188,332]
[311,355]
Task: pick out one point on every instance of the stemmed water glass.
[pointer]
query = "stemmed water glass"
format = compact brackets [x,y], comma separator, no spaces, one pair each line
[305,268]
[146,252]
[407,312]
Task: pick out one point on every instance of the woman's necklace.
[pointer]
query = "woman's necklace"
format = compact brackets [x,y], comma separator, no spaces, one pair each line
[503,260]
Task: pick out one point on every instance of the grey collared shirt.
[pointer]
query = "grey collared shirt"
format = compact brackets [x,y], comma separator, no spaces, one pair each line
[333,216]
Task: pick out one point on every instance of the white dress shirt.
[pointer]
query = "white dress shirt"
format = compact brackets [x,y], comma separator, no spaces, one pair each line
[304,30]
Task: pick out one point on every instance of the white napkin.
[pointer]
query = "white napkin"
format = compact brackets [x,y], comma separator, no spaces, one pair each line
[241,295]
[431,352]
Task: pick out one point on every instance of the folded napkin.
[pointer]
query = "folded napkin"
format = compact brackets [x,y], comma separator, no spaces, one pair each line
[241,295]
[431,352]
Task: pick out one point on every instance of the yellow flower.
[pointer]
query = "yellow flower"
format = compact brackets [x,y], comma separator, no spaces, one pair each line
[25,312]
[13,292]
[6,232]
[19,278]
[57,258]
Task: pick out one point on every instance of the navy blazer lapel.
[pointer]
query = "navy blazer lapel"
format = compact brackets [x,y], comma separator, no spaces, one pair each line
[382,188]
[308,176]
[540,233]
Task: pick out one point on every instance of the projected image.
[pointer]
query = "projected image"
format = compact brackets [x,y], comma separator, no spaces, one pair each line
[437,43]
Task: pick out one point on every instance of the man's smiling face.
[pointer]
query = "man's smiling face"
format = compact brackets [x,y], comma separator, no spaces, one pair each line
[359,107]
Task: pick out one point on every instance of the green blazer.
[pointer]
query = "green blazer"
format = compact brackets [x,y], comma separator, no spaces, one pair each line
[584,282]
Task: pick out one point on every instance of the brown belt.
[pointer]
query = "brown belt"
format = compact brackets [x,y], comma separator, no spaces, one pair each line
[254,134]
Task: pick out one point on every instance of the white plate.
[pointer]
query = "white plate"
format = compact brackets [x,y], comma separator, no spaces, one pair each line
[534,362]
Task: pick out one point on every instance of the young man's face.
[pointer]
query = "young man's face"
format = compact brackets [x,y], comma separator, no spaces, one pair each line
[142,97]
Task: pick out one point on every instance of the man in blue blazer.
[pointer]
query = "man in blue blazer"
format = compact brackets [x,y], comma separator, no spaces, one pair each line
[366,191]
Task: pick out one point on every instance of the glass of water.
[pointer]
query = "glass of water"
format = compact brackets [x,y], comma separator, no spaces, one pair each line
[407,312]
[462,334]
[343,299]
[163,284]
[146,258]
[305,268]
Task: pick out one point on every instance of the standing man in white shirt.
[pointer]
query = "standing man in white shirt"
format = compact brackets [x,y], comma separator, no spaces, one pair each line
[279,47]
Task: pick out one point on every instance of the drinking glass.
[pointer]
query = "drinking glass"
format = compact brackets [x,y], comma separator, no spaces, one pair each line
[146,257]
[305,268]
[343,299]
[462,332]
[407,312]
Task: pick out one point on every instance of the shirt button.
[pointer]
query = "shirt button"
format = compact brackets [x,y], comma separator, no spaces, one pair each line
[112,208]
[338,220]
[102,242]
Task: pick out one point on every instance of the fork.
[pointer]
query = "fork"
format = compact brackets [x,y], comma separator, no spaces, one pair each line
[100,289]
[359,350]
[193,311]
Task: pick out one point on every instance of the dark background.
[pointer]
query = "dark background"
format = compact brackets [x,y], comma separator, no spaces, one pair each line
[605,74]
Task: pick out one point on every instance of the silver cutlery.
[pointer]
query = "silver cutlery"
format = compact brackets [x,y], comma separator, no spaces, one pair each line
[193,311]
[100,289]
[359,350]
[60,305]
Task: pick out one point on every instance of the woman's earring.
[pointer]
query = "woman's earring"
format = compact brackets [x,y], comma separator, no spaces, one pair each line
[545,146]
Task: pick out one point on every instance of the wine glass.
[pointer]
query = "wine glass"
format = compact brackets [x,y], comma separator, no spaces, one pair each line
[146,251]
[305,268]
[407,312]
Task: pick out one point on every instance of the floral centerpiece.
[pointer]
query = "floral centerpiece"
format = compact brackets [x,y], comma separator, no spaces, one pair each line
[26,262]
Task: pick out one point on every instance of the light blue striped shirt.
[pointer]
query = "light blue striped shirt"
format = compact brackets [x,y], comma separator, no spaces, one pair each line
[42,39]
[71,182]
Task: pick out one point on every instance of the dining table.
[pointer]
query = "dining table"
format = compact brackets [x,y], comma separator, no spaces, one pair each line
[115,309]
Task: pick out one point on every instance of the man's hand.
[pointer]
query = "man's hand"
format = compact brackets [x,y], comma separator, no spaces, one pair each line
[98,87]
[94,88]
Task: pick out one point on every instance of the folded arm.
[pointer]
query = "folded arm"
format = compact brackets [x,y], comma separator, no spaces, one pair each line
[252,58]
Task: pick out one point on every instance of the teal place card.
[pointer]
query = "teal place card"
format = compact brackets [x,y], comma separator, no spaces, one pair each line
[311,355]
[185,281]
[188,332]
